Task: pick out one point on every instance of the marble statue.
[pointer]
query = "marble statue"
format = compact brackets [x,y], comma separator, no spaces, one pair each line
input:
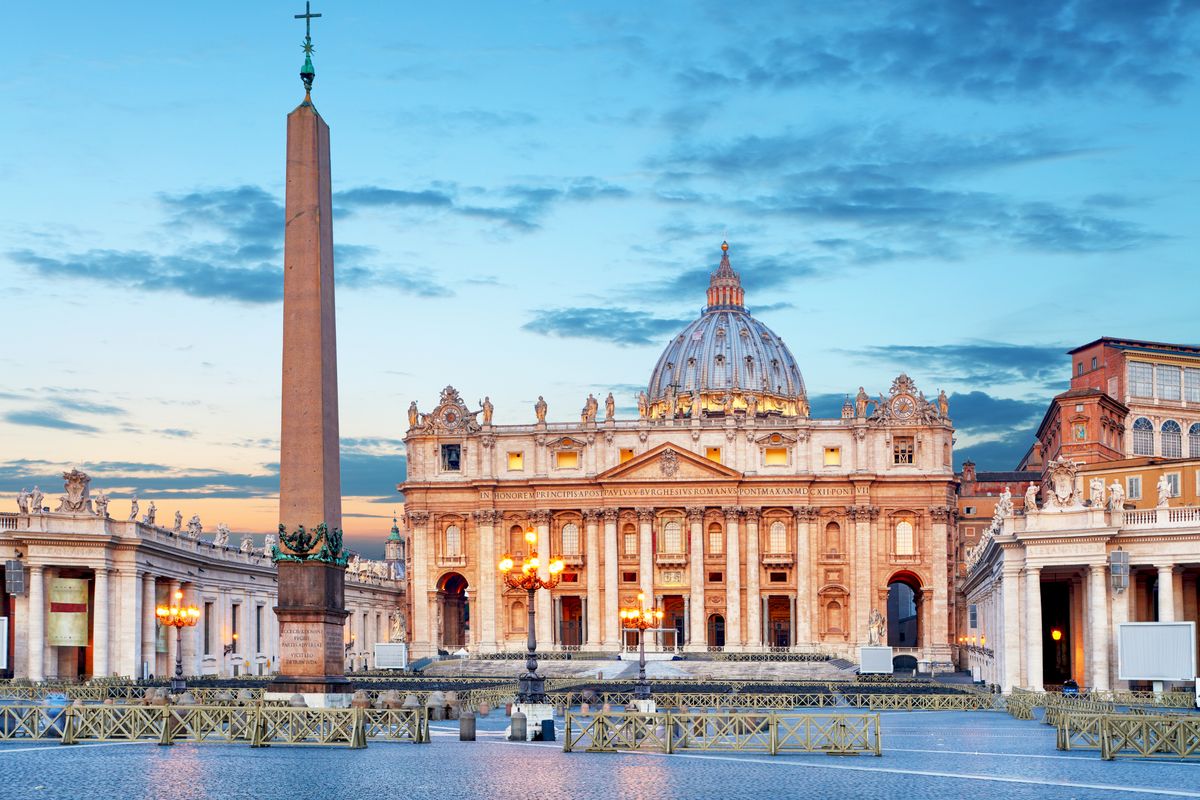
[178,521]
[643,405]
[669,397]
[1164,491]
[23,501]
[77,500]
[269,542]
[728,406]
[488,408]
[1004,506]
[860,403]
[610,408]
[151,510]
[100,502]
[697,405]
[539,409]
[802,406]
[399,629]
[194,528]
[247,545]
[413,414]
[1096,492]
[354,565]
[876,629]
[1116,496]
[943,404]
[751,406]
[221,537]
[133,508]
[35,500]
[1031,493]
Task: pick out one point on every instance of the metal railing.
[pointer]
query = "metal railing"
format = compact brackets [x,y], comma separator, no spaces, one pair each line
[772,733]
[1137,735]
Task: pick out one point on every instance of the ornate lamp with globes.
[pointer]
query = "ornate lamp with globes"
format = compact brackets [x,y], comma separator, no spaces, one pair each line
[177,616]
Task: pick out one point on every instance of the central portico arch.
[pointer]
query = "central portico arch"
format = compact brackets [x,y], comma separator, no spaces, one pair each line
[453,612]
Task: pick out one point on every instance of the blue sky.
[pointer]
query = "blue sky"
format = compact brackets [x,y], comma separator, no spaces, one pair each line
[529,198]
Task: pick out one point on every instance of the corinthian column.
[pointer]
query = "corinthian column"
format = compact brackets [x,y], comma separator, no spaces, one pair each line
[1010,627]
[696,632]
[753,589]
[100,625]
[939,559]
[733,580]
[611,596]
[1099,628]
[486,600]
[646,552]
[37,624]
[804,597]
[422,633]
[1035,670]
[591,562]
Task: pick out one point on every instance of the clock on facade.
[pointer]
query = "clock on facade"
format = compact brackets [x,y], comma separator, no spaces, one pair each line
[903,406]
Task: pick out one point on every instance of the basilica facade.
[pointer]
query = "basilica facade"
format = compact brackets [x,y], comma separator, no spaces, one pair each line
[754,526]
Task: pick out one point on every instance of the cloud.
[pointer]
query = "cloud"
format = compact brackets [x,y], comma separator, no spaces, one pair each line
[988,49]
[997,454]
[616,325]
[759,275]
[47,418]
[978,362]
[149,480]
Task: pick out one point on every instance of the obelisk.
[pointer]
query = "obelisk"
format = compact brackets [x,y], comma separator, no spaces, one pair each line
[309,557]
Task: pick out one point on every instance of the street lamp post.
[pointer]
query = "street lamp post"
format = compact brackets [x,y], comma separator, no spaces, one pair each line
[641,619]
[531,685]
[177,616]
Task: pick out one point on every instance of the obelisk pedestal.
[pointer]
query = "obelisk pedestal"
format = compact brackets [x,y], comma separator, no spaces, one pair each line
[310,559]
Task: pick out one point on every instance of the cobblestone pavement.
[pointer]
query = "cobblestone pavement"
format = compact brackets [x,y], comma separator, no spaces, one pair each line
[927,756]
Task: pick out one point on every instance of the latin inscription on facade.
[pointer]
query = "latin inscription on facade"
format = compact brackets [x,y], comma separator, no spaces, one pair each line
[604,492]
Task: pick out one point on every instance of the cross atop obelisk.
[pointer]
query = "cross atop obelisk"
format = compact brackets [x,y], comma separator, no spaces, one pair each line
[307,73]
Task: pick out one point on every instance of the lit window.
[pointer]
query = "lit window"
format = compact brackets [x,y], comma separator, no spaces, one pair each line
[1172,439]
[902,450]
[833,456]
[1133,487]
[777,540]
[713,454]
[1167,380]
[570,539]
[716,539]
[1143,437]
[626,454]
[775,456]
[672,541]
[451,457]
[1194,440]
[516,462]
[1141,379]
[1173,484]
[904,538]
[566,459]
[1191,385]
[453,541]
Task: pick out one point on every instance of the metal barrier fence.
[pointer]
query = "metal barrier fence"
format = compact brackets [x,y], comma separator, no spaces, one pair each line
[260,726]
[772,733]
[1138,735]
[779,701]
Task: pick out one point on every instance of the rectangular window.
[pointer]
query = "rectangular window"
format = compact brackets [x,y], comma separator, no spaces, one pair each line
[208,625]
[570,577]
[566,459]
[1079,368]
[631,543]
[716,542]
[570,539]
[451,457]
[716,577]
[629,577]
[672,538]
[1141,379]
[969,511]
[1133,487]
[778,577]
[1191,385]
[1173,482]
[1167,379]
[972,616]
[902,450]
[516,462]
[713,454]
[1093,362]
[258,616]
[775,456]
[626,454]
[235,613]
[833,456]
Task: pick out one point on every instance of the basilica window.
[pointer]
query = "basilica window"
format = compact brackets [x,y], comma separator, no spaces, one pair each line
[833,456]
[716,539]
[1172,439]
[672,538]
[902,450]
[453,542]
[1133,487]
[516,462]
[516,540]
[777,538]
[566,459]
[631,540]
[451,457]
[904,538]
[1167,380]
[570,539]
[1141,379]
[1194,440]
[1173,484]
[626,454]
[775,456]
[713,454]
[1143,437]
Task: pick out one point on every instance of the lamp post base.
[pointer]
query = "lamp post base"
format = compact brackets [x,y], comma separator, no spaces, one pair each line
[534,713]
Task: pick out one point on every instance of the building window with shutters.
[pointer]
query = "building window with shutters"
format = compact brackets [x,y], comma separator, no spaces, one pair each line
[716,539]
[902,450]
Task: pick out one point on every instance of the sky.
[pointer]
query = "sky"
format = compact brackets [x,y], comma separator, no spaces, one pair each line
[528,198]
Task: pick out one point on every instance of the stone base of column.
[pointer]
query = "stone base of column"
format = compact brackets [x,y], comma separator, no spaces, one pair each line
[312,617]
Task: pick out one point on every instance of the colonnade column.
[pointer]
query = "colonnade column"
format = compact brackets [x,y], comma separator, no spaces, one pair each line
[646,552]
[131,623]
[100,624]
[862,516]
[591,549]
[1099,627]
[733,582]
[545,625]
[149,626]
[754,610]
[1166,593]
[802,619]
[1010,626]
[37,624]
[422,632]
[486,601]
[1120,614]
[1034,672]
[939,630]
[695,616]
[611,596]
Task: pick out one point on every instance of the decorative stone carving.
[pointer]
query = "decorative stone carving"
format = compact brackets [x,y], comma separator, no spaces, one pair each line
[611,514]
[943,405]
[487,441]
[23,501]
[77,500]
[1096,492]
[1164,491]
[302,546]
[860,403]
[643,436]
[221,537]
[732,513]
[100,501]
[876,629]
[133,508]
[695,513]
[450,416]
[417,518]
[194,528]
[593,515]
[35,500]
[151,511]
[643,405]
[540,516]
[1061,473]
[590,407]
[751,514]
[1116,496]
[942,514]
[1004,506]
[270,542]
[645,514]
[247,545]
[485,516]
[905,405]
[413,415]
[398,631]
[1031,502]
[668,463]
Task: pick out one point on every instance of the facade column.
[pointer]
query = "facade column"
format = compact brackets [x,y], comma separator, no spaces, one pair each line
[545,624]
[1034,672]
[100,624]
[485,620]
[938,643]
[1010,626]
[733,581]
[611,595]
[422,632]
[131,624]
[150,627]
[754,615]
[37,624]
[646,552]
[695,598]
[1120,614]
[1166,593]
[592,562]
[804,602]
[862,516]
[1100,633]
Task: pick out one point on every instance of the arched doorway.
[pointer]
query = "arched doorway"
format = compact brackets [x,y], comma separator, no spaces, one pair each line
[903,611]
[454,615]
[904,663]
[716,630]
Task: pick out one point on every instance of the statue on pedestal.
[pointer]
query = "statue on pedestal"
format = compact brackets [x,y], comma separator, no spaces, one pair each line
[399,629]
[1164,491]
[1096,492]
[876,629]
[643,405]
[100,502]
[221,537]
[194,528]
[486,404]
[860,403]
[943,405]
[413,414]
[151,510]
[1116,496]
[539,409]
[247,545]
[1031,494]
[133,508]
[610,408]
[35,500]
[178,521]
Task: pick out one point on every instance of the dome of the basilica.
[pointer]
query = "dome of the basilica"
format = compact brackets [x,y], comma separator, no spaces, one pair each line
[727,361]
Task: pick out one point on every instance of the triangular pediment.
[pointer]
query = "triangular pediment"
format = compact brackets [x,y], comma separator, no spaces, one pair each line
[668,462]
